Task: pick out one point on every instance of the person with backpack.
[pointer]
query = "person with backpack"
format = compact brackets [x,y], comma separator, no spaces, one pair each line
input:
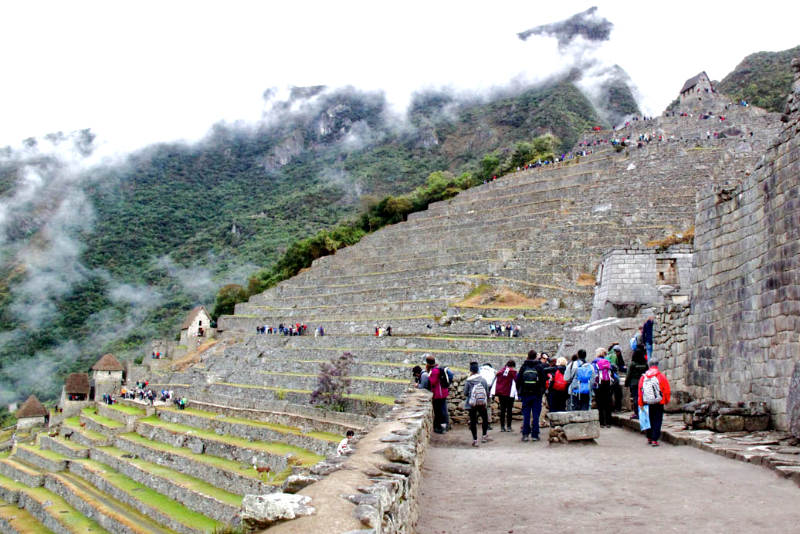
[437,380]
[530,387]
[654,393]
[604,383]
[583,382]
[476,393]
[569,374]
[558,387]
[647,335]
[636,369]
[505,391]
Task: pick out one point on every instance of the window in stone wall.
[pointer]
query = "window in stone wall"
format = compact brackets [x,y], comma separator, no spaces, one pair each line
[667,272]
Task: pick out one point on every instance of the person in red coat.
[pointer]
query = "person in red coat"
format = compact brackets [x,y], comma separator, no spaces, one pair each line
[503,383]
[654,393]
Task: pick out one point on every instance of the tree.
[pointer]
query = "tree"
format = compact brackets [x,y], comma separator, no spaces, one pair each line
[227,297]
[333,383]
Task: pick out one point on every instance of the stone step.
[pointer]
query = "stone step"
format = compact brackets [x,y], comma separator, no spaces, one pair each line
[21,472]
[42,459]
[193,493]
[63,447]
[360,294]
[231,476]
[72,430]
[300,313]
[385,387]
[242,450]
[126,414]
[101,424]
[321,443]
[360,368]
[143,498]
[49,509]
[16,520]
[109,513]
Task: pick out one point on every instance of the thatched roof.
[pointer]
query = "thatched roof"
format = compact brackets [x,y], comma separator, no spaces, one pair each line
[691,82]
[77,384]
[31,408]
[192,316]
[108,363]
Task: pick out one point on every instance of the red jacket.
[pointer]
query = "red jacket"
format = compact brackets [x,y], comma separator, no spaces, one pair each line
[438,391]
[502,385]
[663,383]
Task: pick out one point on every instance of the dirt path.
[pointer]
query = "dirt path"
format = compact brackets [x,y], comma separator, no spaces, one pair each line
[618,484]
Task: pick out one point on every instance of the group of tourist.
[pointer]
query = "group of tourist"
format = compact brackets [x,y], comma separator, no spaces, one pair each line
[385,330]
[297,329]
[504,329]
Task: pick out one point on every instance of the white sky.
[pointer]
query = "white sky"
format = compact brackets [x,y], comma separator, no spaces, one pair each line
[147,71]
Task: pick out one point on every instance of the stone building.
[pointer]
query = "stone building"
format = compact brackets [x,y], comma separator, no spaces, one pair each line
[75,394]
[106,376]
[196,327]
[31,413]
[696,87]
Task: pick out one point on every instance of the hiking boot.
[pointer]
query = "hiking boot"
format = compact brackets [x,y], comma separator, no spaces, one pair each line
[654,444]
[524,438]
[475,443]
[649,441]
[502,429]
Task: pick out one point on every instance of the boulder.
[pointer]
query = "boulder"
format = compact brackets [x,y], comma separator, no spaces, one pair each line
[582,431]
[400,453]
[262,511]
[729,423]
[295,483]
[575,425]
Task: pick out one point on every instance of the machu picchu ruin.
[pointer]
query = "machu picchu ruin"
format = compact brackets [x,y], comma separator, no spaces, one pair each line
[456,320]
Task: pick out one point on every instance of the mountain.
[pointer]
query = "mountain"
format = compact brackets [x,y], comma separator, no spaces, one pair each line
[115,255]
[764,79]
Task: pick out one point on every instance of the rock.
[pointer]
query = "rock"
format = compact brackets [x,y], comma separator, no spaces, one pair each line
[577,416]
[400,453]
[400,469]
[196,446]
[729,423]
[295,483]
[368,515]
[755,423]
[262,511]
[581,431]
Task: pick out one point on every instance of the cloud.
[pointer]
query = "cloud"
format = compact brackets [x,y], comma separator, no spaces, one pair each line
[587,24]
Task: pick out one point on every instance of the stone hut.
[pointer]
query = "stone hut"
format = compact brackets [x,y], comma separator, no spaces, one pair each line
[75,394]
[196,327]
[31,413]
[695,87]
[106,376]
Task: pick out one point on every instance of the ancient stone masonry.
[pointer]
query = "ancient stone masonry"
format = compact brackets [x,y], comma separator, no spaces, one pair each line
[743,328]
[670,348]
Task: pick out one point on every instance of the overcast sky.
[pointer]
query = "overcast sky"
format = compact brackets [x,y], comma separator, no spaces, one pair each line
[141,72]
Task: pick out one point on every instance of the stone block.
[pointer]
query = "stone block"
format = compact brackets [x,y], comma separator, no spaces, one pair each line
[577,416]
[582,431]
[262,511]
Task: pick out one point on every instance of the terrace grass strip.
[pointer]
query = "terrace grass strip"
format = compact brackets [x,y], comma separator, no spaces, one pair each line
[100,419]
[313,375]
[380,399]
[21,520]
[74,423]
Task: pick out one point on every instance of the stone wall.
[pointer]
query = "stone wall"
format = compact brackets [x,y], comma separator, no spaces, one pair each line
[743,329]
[628,279]
[670,348]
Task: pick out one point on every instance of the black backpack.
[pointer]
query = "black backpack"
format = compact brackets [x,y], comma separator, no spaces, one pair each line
[445,377]
[530,381]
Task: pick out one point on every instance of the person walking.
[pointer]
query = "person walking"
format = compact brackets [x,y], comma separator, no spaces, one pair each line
[604,380]
[503,388]
[636,369]
[432,380]
[654,392]
[476,393]
[530,387]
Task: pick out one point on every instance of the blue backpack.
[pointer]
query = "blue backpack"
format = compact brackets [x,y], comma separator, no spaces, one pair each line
[584,376]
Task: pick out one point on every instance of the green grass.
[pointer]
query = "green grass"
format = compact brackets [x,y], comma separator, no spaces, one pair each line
[283,429]
[305,457]
[21,520]
[214,461]
[68,444]
[74,423]
[151,498]
[100,419]
[31,470]
[127,409]
[374,398]
[186,481]
[44,453]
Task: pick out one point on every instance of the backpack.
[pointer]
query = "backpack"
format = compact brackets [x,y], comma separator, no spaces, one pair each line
[651,390]
[584,376]
[604,370]
[477,397]
[559,384]
[530,381]
[445,377]
[633,343]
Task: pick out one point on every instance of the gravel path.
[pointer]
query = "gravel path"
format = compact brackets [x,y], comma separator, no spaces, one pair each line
[618,484]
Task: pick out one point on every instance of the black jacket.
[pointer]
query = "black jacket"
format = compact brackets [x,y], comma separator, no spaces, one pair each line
[541,385]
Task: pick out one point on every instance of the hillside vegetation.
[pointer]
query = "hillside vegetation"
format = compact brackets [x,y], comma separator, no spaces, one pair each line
[764,79]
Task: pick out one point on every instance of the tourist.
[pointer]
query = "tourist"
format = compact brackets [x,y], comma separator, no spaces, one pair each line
[635,371]
[505,389]
[416,372]
[488,373]
[569,374]
[582,382]
[604,402]
[344,445]
[647,335]
[476,393]
[432,380]
[557,399]
[530,387]
[654,393]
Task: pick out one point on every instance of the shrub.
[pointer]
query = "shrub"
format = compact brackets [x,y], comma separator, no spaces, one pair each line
[333,383]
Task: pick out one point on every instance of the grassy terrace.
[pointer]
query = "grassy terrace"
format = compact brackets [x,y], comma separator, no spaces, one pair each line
[44,453]
[151,498]
[380,399]
[74,423]
[77,447]
[91,413]
[407,350]
[364,378]
[127,409]
[21,520]
[57,507]
[207,459]
[306,458]
[389,364]
[283,429]
[186,481]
